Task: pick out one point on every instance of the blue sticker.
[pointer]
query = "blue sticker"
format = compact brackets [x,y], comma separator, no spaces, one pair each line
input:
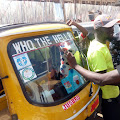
[76,78]
[67,84]
[22,61]
[73,81]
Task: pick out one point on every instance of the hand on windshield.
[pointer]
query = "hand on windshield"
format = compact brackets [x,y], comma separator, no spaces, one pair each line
[70,58]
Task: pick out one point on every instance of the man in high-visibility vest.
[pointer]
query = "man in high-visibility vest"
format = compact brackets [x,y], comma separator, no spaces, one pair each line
[100,60]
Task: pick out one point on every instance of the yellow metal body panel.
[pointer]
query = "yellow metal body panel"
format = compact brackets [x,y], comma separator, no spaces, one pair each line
[14,94]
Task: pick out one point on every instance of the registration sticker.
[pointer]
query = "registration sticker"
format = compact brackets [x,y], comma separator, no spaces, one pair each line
[67,84]
[22,61]
[94,105]
[70,102]
[28,73]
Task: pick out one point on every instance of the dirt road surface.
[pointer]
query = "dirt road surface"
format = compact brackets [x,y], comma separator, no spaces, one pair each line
[4,115]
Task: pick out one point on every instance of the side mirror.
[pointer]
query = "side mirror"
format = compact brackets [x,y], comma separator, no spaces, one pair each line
[4,77]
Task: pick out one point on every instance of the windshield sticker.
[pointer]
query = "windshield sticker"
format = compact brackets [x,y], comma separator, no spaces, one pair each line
[33,43]
[67,84]
[28,74]
[77,79]
[22,61]
[73,81]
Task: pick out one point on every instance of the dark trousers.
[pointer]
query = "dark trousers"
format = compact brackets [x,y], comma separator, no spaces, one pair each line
[111,108]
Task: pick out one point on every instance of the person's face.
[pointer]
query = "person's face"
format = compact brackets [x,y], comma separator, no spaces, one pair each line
[108,33]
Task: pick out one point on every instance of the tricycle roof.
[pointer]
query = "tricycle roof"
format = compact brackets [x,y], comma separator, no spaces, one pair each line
[7,30]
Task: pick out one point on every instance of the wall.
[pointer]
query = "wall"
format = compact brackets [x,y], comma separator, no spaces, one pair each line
[12,12]
[82,10]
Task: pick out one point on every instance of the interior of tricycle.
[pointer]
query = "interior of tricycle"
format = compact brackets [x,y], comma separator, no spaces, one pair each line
[53,74]
[1,88]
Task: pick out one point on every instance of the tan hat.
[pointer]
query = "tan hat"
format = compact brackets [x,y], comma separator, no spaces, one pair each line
[104,21]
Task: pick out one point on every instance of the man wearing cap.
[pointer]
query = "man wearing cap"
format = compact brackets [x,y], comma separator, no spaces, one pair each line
[100,60]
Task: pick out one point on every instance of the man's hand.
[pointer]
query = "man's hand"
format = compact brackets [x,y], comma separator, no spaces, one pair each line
[70,22]
[70,58]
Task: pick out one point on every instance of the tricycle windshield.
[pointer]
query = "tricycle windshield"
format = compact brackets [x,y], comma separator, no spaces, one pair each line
[42,68]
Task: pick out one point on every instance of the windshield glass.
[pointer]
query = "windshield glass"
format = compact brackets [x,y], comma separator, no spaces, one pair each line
[41,66]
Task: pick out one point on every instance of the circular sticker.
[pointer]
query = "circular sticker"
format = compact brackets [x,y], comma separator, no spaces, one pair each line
[28,73]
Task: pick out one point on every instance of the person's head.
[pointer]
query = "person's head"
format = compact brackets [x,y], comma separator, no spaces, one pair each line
[99,12]
[91,15]
[103,25]
[78,20]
